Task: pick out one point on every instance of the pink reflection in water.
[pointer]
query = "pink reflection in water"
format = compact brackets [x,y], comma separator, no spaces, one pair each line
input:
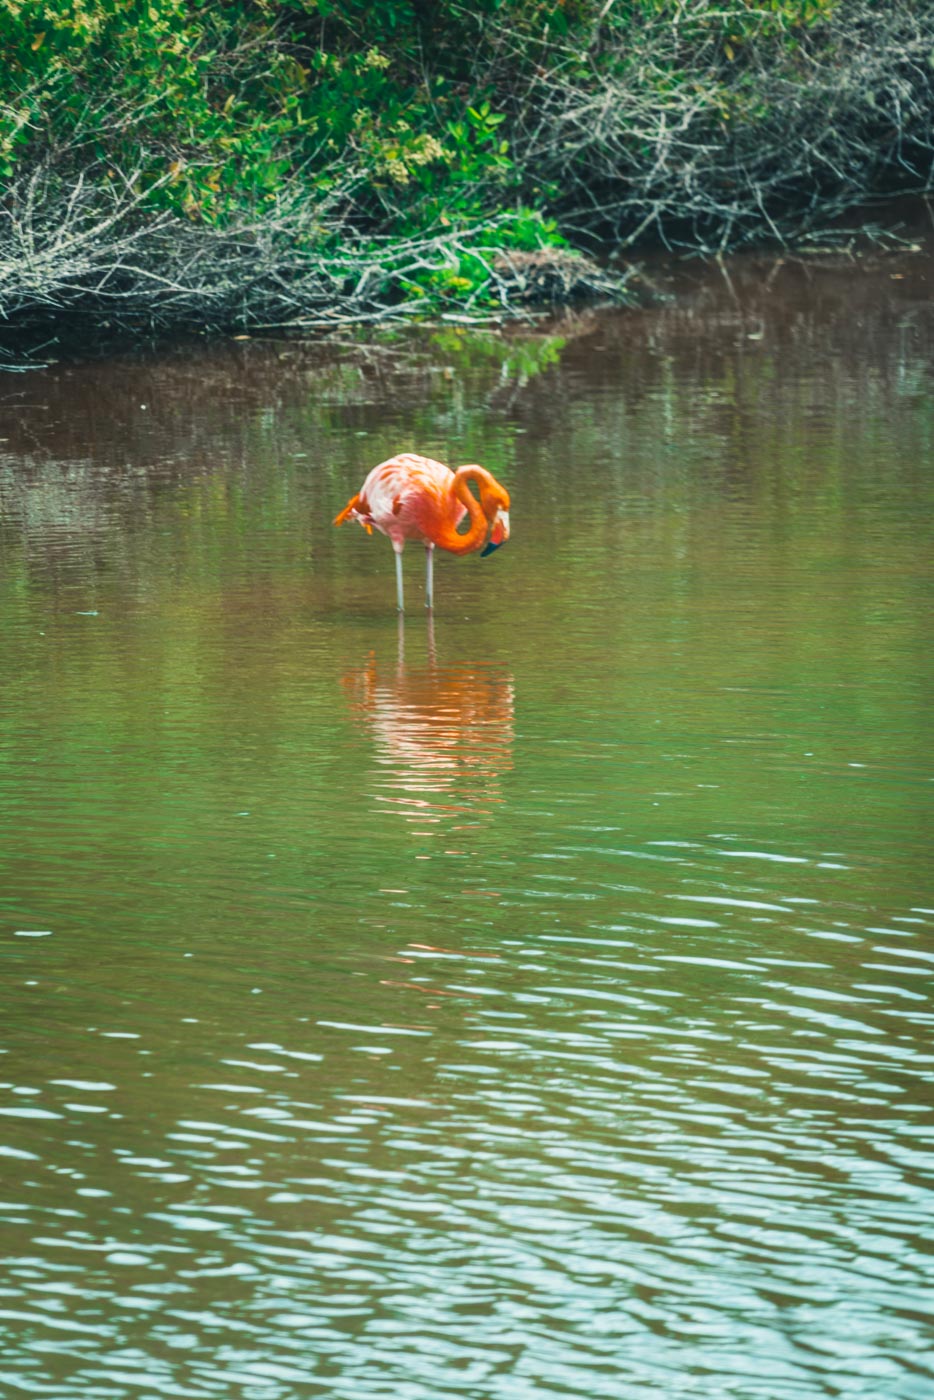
[443,735]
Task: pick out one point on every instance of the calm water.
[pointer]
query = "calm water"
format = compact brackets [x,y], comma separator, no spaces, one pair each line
[537,1005]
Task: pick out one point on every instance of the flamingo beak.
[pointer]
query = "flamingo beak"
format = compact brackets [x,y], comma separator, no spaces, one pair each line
[498,535]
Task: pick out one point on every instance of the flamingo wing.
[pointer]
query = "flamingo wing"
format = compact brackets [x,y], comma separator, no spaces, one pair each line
[410,497]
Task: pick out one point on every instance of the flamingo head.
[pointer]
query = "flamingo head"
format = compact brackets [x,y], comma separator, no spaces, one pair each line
[495,501]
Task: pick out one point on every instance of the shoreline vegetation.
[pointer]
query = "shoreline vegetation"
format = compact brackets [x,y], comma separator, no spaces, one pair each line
[296,165]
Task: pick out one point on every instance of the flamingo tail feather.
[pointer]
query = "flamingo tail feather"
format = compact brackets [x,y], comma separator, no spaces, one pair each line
[348,510]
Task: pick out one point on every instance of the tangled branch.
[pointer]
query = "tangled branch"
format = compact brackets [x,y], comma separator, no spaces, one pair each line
[83,250]
[654,131]
[673,120]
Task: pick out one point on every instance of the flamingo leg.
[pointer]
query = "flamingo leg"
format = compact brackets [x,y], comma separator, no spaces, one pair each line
[429,576]
[399,603]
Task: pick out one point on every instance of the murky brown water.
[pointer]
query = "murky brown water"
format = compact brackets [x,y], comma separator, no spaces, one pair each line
[536,1007]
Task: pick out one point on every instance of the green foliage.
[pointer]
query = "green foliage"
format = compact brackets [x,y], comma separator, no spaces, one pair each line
[469,279]
[410,119]
[218,106]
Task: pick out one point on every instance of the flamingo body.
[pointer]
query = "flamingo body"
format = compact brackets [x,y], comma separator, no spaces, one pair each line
[409,497]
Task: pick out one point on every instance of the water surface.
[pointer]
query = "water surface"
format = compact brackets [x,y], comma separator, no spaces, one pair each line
[531,1004]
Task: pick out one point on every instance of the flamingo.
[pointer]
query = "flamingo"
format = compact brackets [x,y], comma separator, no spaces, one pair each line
[415,498]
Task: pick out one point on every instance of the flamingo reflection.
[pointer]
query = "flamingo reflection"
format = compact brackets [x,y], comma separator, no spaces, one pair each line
[443,734]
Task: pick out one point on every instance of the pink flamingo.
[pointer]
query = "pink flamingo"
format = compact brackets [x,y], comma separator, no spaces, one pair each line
[414,498]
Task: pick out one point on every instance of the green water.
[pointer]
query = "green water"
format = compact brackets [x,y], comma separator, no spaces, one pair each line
[534,1003]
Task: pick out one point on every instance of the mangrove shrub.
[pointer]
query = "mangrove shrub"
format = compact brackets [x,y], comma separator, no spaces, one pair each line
[302,162]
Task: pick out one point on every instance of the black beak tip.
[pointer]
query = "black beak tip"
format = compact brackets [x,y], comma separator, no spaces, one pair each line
[490,548]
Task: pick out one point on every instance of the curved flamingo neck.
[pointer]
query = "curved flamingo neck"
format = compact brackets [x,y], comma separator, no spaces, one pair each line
[476,533]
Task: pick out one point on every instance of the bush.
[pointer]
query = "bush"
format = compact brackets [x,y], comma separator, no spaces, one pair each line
[709,125]
[179,162]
